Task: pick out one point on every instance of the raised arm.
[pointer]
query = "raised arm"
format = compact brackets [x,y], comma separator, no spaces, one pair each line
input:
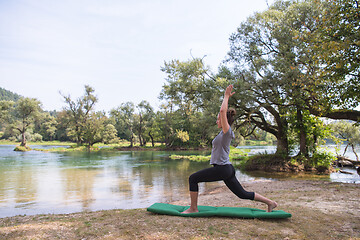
[224,107]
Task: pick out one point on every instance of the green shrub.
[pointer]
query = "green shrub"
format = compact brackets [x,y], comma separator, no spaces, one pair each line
[263,162]
[322,159]
[37,137]
[197,158]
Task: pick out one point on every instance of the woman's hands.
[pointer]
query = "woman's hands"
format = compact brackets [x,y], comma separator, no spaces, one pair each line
[223,122]
[228,90]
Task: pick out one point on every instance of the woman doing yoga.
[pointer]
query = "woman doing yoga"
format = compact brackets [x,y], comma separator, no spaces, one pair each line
[222,168]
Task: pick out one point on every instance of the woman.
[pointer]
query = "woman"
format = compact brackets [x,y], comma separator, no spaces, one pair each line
[222,168]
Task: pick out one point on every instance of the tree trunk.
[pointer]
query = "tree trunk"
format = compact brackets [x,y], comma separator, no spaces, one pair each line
[89,146]
[131,141]
[282,145]
[302,134]
[353,148]
[345,149]
[140,130]
[78,135]
[167,141]
[140,140]
[152,139]
[23,139]
[279,131]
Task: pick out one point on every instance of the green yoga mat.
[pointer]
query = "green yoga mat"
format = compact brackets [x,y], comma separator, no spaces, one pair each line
[206,211]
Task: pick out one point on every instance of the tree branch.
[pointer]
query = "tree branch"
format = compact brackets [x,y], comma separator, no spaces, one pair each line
[344,114]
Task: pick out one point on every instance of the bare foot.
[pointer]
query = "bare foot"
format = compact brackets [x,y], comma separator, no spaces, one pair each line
[190,210]
[272,206]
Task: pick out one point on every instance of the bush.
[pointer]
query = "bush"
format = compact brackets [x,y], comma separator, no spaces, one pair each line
[36,137]
[322,160]
[266,162]
[13,139]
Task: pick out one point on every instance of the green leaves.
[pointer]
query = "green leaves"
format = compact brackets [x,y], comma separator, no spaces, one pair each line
[123,116]
[189,93]
[337,42]
[20,115]
[184,83]
[84,124]
[294,59]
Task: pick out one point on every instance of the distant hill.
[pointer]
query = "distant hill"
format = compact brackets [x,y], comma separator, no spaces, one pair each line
[8,96]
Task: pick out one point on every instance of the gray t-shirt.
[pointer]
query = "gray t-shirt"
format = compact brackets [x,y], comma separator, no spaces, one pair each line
[221,148]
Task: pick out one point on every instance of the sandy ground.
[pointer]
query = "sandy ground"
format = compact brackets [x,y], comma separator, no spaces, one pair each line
[320,195]
[320,210]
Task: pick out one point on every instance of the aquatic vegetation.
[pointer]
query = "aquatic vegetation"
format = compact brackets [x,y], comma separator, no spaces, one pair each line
[235,154]
[22,148]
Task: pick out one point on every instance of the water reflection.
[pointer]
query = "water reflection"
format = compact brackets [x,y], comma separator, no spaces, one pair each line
[40,182]
[78,184]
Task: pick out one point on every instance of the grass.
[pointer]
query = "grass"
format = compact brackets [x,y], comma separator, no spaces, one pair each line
[257,143]
[22,149]
[319,211]
[71,147]
[49,143]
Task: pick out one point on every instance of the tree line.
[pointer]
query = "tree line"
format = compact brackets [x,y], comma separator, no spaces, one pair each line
[78,122]
[292,66]
[9,96]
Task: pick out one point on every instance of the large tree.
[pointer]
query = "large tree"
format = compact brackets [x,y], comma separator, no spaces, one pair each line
[144,121]
[26,110]
[262,52]
[124,121]
[279,69]
[80,114]
[190,93]
[185,81]
[46,125]
[94,128]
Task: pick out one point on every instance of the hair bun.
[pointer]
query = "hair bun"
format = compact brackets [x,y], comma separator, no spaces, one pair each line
[230,114]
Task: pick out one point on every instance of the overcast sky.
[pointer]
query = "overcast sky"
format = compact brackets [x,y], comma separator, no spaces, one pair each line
[115,46]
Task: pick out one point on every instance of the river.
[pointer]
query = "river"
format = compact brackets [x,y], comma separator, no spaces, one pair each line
[37,182]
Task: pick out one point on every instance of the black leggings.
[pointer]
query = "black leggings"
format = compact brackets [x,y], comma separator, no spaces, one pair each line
[217,173]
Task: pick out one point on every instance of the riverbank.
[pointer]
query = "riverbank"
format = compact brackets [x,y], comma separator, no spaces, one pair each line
[320,210]
[238,156]
[73,147]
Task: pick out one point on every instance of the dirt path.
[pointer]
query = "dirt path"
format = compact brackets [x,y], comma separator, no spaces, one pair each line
[321,210]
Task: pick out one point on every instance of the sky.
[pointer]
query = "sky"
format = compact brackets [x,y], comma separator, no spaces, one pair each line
[115,46]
